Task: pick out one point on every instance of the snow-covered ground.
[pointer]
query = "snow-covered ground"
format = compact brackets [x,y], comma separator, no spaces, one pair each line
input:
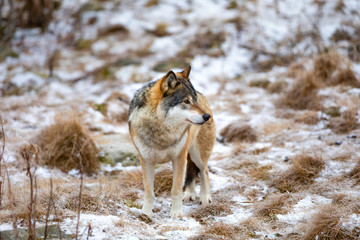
[109,48]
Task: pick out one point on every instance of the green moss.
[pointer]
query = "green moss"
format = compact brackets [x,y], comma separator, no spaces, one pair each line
[130,160]
[131,204]
[83,44]
[101,108]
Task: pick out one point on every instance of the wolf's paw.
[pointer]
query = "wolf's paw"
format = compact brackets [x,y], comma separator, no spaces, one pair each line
[176,213]
[189,196]
[147,211]
[205,199]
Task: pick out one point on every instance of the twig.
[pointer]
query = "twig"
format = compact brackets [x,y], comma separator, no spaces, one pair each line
[2,134]
[11,196]
[30,154]
[80,196]
[48,209]
[89,231]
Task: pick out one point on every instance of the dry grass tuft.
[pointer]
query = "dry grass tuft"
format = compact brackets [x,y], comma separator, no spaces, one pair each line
[214,209]
[326,64]
[326,224]
[261,173]
[236,132]
[329,69]
[131,179]
[345,123]
[309,117]
[162,181]
[305,168]
[277,87]
[67,145]
[272,206]
[345,76]
[355,173]
[222,229]
[333,69]
[303,95]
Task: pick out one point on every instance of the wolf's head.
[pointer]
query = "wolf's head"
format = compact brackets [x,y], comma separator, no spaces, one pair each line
[180,100]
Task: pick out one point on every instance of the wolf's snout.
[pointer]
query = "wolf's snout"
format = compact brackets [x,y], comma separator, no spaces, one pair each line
[206,117]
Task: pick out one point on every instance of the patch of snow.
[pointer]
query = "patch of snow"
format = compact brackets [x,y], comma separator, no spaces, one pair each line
[303,209]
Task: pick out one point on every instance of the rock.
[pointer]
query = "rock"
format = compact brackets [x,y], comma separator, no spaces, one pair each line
[338,143]
[261,83]
[332,111]
[117,148]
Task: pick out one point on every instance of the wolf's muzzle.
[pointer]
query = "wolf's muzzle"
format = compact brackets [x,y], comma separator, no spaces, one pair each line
[206,117]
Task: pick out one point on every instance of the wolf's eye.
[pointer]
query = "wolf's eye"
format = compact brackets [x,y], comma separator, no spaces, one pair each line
[187,101]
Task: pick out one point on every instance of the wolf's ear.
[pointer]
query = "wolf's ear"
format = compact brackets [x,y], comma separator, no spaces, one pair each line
[186,71]
[169,81]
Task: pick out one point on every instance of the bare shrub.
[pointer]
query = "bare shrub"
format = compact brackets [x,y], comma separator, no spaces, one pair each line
[305,168]
[214,209]
[303,95]
[236,132]
[67,145]
[272,205]
[345,123]
[326,225]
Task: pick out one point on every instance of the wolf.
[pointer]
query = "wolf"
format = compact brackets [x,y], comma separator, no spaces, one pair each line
[170,121]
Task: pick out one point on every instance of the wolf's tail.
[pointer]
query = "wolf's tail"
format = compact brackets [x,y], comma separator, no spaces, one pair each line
[192,171]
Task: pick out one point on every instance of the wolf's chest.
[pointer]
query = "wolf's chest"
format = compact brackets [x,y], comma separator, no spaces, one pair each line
[157,153]
[159,143]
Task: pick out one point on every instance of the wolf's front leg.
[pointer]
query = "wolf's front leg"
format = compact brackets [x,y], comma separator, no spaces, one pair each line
[179,166]
[148,181]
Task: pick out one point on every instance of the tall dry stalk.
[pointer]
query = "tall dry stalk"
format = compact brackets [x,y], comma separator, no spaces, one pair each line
[30,155]
[2,149]
[48,209]
[80,197]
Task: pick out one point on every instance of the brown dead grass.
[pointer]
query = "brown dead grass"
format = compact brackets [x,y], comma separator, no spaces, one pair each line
[355,173]
[345,123]
[329,69]
[214,209]
[162,180]
[333,69]
[67,145]
[303,95]
[304,169]
[222,229]
[236,132]
[272,206]
[308,117]
[277,87]
[261,173]
[327,225]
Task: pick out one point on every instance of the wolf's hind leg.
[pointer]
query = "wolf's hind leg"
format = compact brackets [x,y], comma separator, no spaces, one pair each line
[148,181]
[205,195]
[192,172]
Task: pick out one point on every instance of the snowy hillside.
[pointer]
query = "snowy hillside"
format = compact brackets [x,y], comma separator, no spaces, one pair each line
[283,81]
